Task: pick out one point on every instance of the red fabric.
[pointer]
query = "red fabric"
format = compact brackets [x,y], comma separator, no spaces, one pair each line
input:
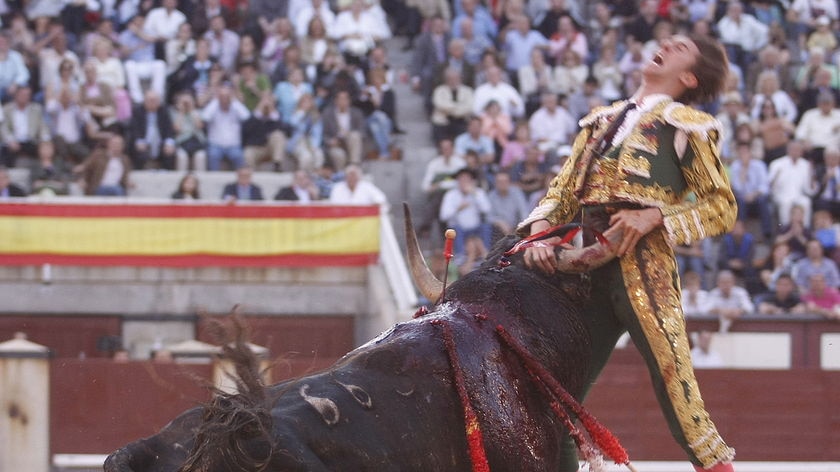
[716,468]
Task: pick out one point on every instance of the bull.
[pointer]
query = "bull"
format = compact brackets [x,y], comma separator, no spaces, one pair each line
[414,397]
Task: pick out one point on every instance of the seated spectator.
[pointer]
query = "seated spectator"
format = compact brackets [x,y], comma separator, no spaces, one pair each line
[768,89]
[692,257]
[190,139]
[7,188]
[288,92]
[50,62]
[151,135]
[821,299]
[535,79]
[694,299]
[243,188]
[313,9]
[251,85]
[737,254]
[702,355]
[138,54]
[465,208]
[791,183]
[437,180]
[502,92]
[24,127]
[508,205]
[187,188]
[50,175]
[180,48]
[325,179]
[828,193]
[379,92]
[13,70]
[482,21]
[822,37]
[264,137]
[302,190]
[106,171]
[224,43]
[313,46]
[497,125]
[162,22]
[587,98]
[357,30]
[67,122]
[247,52]
[824,85]
[452,104]
[742,34]
[519,42]
[194,74]
[529,174]
[551,125]
[827,231]
[796,233]
[567,38]
[354,190]
[728,301]
[109,71]
[344,128]
[815,262]
[817,128]
[750,185]
[732,115]
[515,149]
[224,117]
[781,301]
[570,73]
[607,72]
[775,131]
[474,140]
[97,101]
[307,131]
[376,104]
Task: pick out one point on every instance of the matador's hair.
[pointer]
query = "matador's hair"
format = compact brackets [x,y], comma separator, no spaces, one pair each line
[711,70]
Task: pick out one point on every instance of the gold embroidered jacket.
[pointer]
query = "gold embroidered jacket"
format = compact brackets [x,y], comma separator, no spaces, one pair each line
[645,169]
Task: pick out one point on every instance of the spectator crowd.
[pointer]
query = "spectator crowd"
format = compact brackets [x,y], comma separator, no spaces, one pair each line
[92,90]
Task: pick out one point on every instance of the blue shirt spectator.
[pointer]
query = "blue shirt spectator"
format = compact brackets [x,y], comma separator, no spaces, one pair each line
[13,71]
[519,42]
[815,262]
[483,23]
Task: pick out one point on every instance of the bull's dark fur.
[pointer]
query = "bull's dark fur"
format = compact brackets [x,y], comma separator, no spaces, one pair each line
[414,420]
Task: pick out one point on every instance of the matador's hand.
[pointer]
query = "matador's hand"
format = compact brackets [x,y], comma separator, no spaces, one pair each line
[541,257]
[634,224]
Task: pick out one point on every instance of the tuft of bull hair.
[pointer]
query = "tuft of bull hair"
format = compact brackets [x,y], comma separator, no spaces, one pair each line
[236,429]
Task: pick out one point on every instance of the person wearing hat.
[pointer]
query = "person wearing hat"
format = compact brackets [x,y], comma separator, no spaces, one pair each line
[632,166]
[465,209]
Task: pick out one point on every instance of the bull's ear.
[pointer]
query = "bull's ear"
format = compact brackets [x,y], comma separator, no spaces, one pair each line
[426,282]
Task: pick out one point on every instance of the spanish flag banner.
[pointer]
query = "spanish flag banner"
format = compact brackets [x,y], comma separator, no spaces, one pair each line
[188,235]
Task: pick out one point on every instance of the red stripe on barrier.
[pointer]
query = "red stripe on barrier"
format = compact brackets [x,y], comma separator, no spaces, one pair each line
[195,260]
[186,211]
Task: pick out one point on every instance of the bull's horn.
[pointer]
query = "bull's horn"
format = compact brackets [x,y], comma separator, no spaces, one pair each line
[590,257]
[427,283]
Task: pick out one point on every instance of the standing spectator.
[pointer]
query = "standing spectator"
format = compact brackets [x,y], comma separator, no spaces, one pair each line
[138,54]
[106,171]
[354,190]
[790,182]
[503,93]
[520,41]
[466,208]
[302,190]
[728,301]
[224,117]
[7,188]
[815,262]
[508,205]
[452,104]
[551,125]
[307,132]
[742,34]
[819,128]
[822,299]
[24,127]
[224,43]
[13,70]
[243,189]
[483,23]
[344,126]
[751,186]
[264,137]
[781,301]
[828,195]
[151,135]
[430,53]
[189,134]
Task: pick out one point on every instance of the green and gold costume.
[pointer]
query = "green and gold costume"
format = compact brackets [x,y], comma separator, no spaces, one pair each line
[640,292]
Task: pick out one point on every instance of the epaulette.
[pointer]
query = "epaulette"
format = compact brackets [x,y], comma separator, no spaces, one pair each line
[691,120]
[599,112]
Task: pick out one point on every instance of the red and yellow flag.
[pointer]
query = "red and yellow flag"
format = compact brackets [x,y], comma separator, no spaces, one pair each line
[188,235]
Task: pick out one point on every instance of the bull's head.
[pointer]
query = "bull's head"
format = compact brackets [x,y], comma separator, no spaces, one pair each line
[573,261]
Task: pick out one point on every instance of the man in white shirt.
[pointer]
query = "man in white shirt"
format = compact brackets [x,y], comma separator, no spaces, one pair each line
[356,191]
[319,8]
[223,117]
[162,23]
[24,127]
[551,125]
[742,34]
[791,182]
[728,301]
[465,208]
[702,356]
[224,43]
[494,89]
[819,127]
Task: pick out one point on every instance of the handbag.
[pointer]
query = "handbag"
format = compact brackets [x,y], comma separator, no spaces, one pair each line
[192,145]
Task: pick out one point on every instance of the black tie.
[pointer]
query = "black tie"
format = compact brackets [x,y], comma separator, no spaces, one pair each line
[600,147]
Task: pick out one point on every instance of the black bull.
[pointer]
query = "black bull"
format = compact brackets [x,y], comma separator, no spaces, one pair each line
[391,404]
